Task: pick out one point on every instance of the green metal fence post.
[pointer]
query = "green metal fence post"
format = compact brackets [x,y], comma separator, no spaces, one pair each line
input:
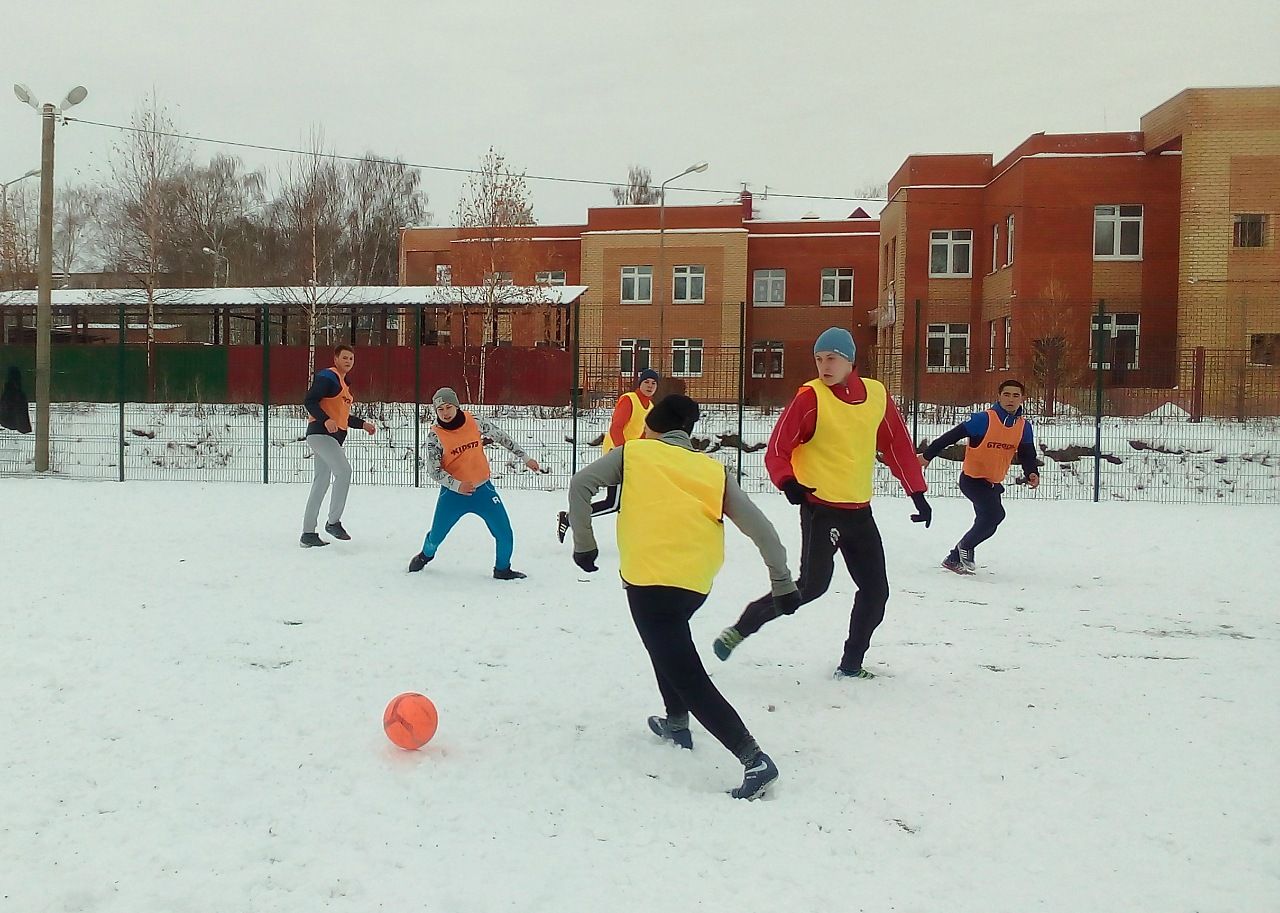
[124,326]
[915,380]
[1099,345]
[742,380]
[417,397]
[573,390]
[266,392]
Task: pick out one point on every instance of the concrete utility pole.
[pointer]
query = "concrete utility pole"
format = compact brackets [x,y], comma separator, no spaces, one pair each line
[44,264]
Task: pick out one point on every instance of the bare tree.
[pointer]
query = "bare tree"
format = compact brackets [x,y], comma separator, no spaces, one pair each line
[494,216]
[75,220]
[19,229]
[1057,356]
[308,214]
[381,197]
[639,189]
[141,206]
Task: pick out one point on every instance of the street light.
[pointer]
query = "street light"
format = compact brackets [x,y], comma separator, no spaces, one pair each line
[662,259]
[44,299]
[226,277]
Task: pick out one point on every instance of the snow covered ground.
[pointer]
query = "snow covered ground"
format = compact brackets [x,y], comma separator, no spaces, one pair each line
[193,717]
[1160,457]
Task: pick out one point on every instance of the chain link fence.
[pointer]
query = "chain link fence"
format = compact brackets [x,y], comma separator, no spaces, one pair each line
[190,394]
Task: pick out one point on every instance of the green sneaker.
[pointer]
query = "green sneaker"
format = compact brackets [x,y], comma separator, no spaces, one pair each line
[724,644]
[856,673]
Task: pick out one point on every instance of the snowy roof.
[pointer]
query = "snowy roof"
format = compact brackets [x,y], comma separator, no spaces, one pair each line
[797,209]
[345,295]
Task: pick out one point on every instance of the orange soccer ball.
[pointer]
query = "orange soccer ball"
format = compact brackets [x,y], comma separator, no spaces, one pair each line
[410,720]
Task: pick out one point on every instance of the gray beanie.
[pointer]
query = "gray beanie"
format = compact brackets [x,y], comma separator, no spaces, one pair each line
[445,395]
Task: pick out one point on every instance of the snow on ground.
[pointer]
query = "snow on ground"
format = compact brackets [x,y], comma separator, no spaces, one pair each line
[193,717]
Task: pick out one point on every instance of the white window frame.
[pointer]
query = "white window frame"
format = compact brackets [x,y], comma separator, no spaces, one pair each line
[775,281]
[768,348]
[554,277]
[1115,215]
[991,345]
[499,278]
[835,280]
[444,274]
[995,246]
[694,278]
[952,239]
[633,348]
[682,357]
[1008,240]
[948,333]
[1114,325]
[1008,341]
[639,277]
[1238,220]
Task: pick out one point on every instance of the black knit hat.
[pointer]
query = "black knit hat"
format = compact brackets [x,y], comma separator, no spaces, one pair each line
[675,412]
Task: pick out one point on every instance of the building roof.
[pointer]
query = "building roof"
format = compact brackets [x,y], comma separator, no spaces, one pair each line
[345,295]
[797,209]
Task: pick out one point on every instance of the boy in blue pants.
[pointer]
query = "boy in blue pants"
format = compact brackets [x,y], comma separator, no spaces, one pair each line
[455,459]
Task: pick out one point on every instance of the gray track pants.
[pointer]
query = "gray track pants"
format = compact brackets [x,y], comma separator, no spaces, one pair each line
[330,462]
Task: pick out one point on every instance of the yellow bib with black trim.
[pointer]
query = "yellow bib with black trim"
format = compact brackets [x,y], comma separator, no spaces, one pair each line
[839,460]
[634,428]
[671,521]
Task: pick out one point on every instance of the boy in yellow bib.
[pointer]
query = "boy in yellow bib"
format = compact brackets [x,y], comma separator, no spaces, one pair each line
[822,454]
[626,424]
[670,547]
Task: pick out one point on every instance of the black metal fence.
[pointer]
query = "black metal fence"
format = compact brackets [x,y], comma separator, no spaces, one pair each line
[179,408]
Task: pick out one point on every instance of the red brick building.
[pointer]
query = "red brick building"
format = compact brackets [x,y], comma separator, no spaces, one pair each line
[689,290]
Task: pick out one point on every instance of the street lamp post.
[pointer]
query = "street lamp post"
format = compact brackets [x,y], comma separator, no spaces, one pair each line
[44,298]
[224,336]
[226,274]
[662,258]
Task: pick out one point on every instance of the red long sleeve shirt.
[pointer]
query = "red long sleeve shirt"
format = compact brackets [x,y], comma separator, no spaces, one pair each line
[800,419]
[621,415]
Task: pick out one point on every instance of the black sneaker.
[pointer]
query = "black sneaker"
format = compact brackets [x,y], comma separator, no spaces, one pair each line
[966,560]
[336,530]
[757,778]
[562,525]
[311,540]
[506,573]
[418,562]
[841,672]
[953,564]
[682,737]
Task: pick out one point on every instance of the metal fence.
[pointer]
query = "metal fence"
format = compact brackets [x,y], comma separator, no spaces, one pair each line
[189,409]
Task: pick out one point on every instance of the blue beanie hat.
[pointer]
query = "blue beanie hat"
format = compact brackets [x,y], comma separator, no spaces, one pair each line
[838,340]
[647,374]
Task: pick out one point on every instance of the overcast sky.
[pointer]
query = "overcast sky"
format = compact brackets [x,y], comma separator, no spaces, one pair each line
[804,97]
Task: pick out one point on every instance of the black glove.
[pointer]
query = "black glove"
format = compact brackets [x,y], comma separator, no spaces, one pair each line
[924,513]
[587,560]
[787,603]
[794,491]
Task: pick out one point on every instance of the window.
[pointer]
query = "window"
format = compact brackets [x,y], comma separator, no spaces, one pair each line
[948,348]
[686,358]
[1119,341]
[1117,232]
[991,345]
[444,274]
[949,253]
[498,278]
[995,247]
[637,284]
[1264,349]
[837,286]
[766,358]
[554,277]
[1249,231]
[770,288]
[1008,340]
[688,284]
[633,356]
[1008,241]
